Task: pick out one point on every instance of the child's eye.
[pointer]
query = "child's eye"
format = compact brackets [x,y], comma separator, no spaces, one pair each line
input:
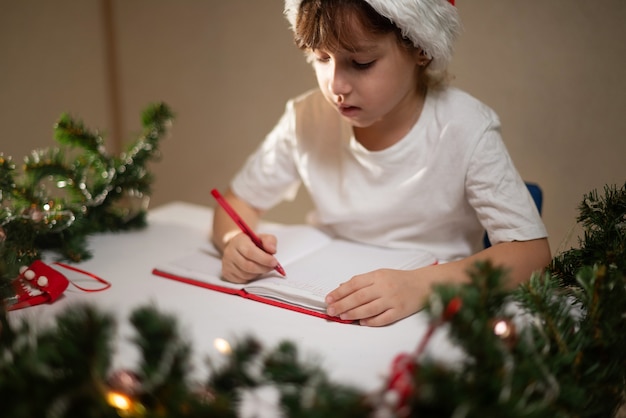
[318,56]
[363,65]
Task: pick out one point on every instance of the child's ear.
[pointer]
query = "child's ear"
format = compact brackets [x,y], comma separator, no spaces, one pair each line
[421,57]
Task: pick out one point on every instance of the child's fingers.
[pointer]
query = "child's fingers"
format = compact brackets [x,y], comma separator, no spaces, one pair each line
[350,295]
[269,243]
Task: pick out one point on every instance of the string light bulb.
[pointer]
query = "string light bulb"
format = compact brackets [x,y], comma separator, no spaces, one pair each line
[119,401]
[222,346]
[502,329]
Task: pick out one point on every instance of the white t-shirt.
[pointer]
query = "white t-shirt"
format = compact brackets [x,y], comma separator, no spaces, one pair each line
[437,189]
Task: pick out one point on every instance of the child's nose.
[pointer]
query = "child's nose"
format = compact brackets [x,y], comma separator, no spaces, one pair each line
[338,84]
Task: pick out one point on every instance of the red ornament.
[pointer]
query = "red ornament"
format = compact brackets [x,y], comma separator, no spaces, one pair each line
[401,381]
[454,306]
[36,284]
[403,368]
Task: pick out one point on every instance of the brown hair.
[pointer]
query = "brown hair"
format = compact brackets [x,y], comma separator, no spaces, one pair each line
[329,24]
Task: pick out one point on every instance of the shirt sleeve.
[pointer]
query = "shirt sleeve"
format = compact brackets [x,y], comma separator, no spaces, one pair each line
[499,195]
[270,175]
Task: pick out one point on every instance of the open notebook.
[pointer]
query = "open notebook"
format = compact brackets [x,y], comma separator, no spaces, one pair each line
[314,264]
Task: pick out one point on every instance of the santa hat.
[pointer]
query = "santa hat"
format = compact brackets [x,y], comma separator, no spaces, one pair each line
[432,25]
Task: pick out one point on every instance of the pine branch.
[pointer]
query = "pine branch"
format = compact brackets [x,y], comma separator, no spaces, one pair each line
[7,182]
[72,132]
[604,237]
[58,371]
[66,193]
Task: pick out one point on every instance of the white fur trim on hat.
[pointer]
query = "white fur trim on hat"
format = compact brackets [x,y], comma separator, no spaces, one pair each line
[432,25]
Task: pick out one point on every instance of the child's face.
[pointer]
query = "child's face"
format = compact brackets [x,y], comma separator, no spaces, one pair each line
[370,83]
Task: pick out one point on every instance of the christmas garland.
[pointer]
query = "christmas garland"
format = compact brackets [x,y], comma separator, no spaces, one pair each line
[65,193]
[553,347]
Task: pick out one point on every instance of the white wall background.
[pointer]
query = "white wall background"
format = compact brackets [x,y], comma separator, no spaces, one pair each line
[553,70]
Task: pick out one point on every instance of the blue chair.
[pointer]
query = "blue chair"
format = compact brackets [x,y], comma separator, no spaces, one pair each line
[537,195]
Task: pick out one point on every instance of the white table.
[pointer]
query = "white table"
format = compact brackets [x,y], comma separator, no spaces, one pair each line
[350,354]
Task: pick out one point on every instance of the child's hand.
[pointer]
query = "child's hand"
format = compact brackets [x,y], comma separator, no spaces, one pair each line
[379,297]
[243,261]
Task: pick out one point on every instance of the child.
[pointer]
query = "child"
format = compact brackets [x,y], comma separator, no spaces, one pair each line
[390,156]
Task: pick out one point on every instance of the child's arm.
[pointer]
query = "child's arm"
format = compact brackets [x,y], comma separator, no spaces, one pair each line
[385,296]
[242,260]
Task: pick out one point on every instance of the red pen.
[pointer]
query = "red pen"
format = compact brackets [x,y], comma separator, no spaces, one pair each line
[242,225]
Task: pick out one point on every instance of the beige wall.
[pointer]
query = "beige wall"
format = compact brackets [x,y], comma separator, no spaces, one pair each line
[553,70]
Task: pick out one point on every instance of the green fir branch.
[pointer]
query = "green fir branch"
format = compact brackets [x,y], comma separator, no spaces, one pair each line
[603,218]
[7,180]
[72,132]
[66,193]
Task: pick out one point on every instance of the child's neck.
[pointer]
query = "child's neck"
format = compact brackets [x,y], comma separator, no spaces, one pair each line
[393,127]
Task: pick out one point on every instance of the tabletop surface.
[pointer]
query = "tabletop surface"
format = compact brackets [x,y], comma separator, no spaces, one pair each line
[350,354]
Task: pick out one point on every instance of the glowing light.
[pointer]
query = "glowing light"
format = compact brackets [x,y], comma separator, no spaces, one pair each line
[222,346]
[502,329]
[119,401]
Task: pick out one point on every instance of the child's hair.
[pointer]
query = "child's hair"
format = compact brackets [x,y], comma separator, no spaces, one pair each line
[329,24]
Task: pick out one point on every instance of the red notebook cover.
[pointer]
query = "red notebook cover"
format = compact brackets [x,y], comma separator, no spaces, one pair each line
[314,259]
[244,294]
